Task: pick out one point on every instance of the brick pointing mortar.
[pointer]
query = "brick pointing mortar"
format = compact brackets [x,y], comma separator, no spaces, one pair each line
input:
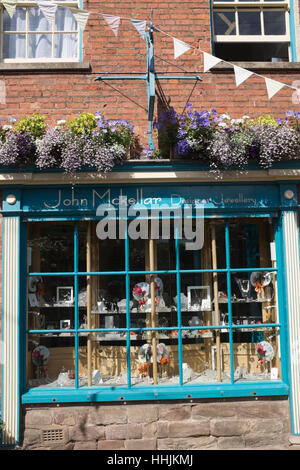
[240,424]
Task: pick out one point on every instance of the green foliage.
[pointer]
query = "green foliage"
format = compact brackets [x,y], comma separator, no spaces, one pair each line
[34,125]
[84,123]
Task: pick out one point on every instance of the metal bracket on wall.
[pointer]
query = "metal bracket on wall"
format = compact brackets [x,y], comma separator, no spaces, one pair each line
[150,78]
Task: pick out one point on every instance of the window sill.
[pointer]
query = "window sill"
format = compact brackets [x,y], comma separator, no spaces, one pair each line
[45,67]
[276,66]
[163,392]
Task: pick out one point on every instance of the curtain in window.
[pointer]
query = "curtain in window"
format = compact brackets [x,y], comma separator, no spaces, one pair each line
[59,44]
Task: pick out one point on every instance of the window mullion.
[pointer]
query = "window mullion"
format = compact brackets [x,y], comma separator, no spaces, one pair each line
[76,313]
[127,287]
[179,320]
[227,249]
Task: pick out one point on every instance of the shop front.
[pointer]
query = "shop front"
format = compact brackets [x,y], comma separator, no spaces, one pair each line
[158,290]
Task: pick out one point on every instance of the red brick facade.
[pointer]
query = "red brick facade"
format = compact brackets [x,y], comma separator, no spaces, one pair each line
[61,95]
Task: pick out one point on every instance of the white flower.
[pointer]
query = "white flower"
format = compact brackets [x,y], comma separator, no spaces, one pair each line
[7,127]
[223,124]
[246,117]
[61,122]
[225,116]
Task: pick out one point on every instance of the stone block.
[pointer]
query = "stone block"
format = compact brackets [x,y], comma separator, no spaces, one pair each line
[31,437]
[175,412]
[124,431]
[150,430]
[142,413]
[228,427]
[264,440]
[86,433]
[162,429]
[110,445]
[213,410]
[267,426]
[231,443]
[64,417]
[38,418]
[189,429]
[86,445]
[140,444]
[108,415]
[194,443]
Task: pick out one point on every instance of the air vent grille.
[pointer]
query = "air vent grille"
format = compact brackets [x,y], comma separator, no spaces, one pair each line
[52,435]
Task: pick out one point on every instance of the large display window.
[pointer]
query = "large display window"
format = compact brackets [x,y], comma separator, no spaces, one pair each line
[130,313]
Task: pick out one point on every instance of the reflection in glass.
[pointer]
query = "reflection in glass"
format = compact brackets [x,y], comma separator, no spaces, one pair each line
[249,23]
[51,247]
[224,23]
[274,22]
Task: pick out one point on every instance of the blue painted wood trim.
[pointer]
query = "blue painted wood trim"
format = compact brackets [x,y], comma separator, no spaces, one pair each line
[120,394]
[292,32]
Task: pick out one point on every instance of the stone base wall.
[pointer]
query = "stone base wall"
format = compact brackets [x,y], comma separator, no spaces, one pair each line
[222,424]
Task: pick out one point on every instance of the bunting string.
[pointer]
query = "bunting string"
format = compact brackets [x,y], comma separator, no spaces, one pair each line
[49,8]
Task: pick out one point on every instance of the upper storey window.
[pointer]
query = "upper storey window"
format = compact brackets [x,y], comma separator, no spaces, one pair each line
[252,31]
[28,36]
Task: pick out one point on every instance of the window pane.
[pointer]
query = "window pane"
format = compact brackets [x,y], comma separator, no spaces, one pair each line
[64,20]
[203,358]
[165,302]
[253,52]
[17,22]
[51,247]
[65,46]
[38,21]
[250,243]
[14,46]
[142,358]
[249,23]
[103,360]
[224,23]
[274,22]
[50,360]
[40,46]
[256,354]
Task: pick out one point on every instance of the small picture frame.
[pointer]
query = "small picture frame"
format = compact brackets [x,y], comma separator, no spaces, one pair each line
[64,295]
[64,324]
[199,298]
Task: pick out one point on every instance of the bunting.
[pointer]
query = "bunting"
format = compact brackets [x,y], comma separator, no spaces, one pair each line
[272,87]
[241,74]
[180,47]
[209,61]
[10,6]
[48,9]
[140,26]
[113,22]
[81,17]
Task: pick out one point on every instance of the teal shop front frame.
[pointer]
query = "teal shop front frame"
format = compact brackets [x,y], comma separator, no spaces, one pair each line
[163,392]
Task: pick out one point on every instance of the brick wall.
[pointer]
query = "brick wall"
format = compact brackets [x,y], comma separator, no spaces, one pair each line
[223,424]
[61,95]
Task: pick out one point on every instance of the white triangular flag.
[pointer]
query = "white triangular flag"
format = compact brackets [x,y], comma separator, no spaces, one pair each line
[10,6]
[48,9]
[273,87]
[140,26]
[113,22]
[241,74]
[180,47]
[209,61]
[81,17]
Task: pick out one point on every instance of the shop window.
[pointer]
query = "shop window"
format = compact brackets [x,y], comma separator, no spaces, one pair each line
[130,313]
[251,31]
[28,36]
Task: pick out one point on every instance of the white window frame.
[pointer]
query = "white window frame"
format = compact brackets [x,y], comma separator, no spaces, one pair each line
[27,4]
